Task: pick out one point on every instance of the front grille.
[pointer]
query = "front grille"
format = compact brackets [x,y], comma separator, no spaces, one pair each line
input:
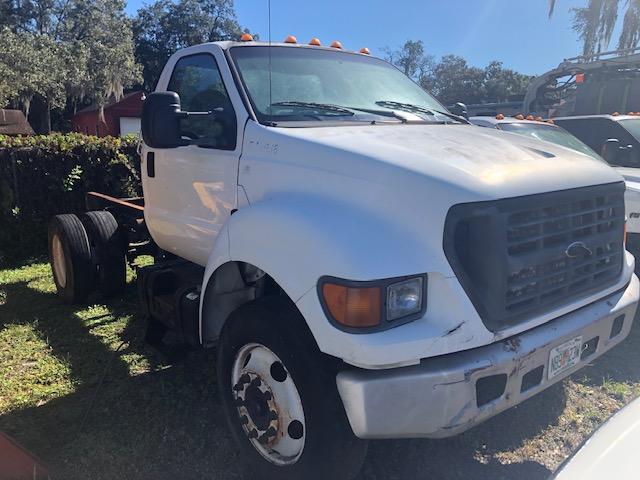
[519,257]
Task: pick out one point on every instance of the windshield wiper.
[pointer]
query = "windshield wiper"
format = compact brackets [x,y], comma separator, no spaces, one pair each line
[318,106]
[411,108]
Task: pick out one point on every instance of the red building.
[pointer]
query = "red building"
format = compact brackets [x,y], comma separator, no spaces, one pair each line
[120,117]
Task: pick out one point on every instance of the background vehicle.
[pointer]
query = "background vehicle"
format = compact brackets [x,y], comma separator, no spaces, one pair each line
[367,264]
[539,130]
[603,83]
[617,139]
[611,449]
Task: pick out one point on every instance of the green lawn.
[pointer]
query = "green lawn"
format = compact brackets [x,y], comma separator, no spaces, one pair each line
[80,389]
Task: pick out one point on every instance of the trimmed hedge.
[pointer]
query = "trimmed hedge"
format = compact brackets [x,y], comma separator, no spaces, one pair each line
[41,176]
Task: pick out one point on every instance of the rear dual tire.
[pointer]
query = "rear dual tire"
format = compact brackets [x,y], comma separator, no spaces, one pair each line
[86,253]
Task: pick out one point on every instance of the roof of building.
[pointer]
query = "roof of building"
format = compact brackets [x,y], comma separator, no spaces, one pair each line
[94,107]
[14,122]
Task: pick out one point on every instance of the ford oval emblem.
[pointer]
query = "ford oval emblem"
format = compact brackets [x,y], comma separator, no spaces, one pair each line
[578,249]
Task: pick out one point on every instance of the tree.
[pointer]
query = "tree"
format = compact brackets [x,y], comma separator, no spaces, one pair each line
[164,27]
[411,59]
[452,79]
[596,22]
[74,51]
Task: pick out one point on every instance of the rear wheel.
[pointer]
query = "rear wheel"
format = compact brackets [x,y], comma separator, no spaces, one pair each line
[108,246]
[70,258]
[280,399]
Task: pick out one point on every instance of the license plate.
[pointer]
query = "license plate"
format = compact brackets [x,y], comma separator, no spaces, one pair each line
[564,356]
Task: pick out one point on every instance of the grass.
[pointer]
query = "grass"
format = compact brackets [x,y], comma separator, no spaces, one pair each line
[80,389]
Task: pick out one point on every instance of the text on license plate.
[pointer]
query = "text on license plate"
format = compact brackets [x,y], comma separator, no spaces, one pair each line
[564,356]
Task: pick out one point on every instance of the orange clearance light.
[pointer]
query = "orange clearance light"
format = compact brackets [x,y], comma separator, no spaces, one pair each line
[336,44]
[615,114]
[291,39]
[353,306]
[315,41]
[365,51]
[246,37]
[519,117]
[530,117]
[551,121]
[580,78]
[500,116]
[539,119]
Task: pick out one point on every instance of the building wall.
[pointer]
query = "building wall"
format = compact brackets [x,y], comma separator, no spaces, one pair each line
[88,122]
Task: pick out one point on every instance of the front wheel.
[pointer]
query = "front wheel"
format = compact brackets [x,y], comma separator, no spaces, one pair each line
[281,401]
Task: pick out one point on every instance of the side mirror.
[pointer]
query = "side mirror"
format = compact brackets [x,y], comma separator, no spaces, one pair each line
[459,109]
[611,150]
[161,115]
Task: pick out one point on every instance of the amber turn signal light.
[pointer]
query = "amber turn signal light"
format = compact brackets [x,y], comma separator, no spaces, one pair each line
[356,307]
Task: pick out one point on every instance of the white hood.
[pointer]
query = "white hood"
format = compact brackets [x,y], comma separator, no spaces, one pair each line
[489,162]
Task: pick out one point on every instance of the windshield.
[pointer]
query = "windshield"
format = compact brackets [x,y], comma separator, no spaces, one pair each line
[632,126]
[307,84]
[549,133]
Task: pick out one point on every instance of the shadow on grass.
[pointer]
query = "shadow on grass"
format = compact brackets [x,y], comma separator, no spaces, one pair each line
[167,423]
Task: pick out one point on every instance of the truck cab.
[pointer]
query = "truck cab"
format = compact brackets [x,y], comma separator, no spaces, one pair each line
[367,264]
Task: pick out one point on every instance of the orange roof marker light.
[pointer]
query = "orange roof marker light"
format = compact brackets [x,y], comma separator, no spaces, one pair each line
[539,119]
[615,114]
[246,37]
[315,41]
[365,51]
[519,117]
[530,117]
[551,121]
[336,44]
[500,116]
[291,39]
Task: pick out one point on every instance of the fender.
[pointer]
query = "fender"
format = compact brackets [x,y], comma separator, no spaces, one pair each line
[298,238]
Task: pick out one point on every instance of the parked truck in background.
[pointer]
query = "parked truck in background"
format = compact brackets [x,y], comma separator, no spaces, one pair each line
[367,264]
[617,138]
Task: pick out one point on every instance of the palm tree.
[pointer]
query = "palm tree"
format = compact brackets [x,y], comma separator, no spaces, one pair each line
[595,24]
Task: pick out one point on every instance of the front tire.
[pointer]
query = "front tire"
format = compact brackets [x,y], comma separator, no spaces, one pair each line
[281,400]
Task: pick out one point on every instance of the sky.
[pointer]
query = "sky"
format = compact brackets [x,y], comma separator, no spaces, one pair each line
[516,32]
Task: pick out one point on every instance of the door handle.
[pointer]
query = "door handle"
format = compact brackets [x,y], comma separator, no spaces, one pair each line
[151,164]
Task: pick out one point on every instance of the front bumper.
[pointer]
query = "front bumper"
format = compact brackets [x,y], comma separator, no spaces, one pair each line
[446,395]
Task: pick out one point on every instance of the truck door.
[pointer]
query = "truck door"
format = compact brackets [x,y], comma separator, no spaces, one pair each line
[191,190]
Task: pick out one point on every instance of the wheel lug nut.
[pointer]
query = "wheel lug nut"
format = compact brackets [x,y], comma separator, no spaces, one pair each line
[256,382]
[273,415]
[245,378]
[253,433]
[244,419]
[267,395]
[271,432]
[239,402]
[263,438]
[238,387]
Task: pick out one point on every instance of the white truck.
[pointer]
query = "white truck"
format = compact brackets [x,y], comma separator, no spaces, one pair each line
[367,264]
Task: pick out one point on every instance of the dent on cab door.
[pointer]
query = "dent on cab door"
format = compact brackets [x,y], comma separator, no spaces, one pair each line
[193,188]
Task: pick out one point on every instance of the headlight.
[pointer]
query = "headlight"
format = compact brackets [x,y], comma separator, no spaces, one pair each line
[404,298]
[372,305]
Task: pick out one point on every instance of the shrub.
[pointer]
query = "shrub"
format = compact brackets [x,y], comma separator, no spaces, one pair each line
[41,176]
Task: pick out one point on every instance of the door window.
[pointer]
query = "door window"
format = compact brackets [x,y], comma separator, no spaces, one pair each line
[197,80]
